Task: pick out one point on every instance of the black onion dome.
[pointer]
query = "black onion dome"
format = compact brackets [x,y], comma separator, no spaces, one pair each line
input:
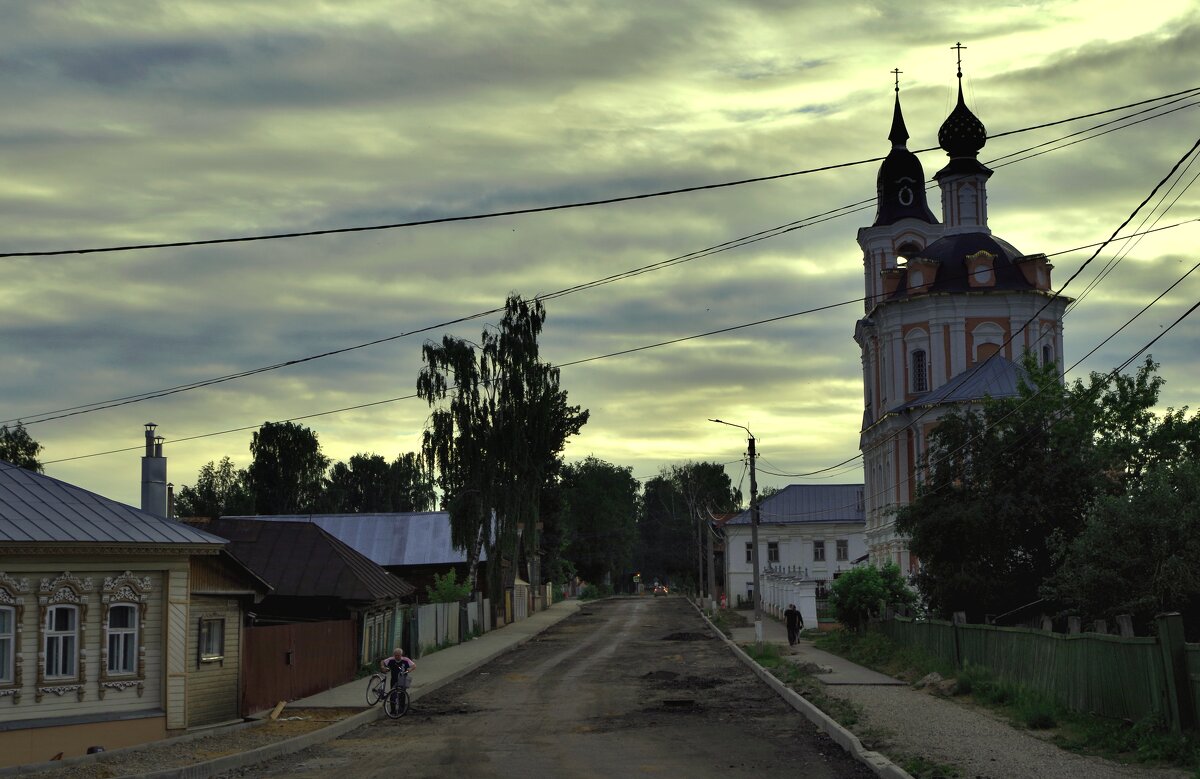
[951,252]
[900,185]
[962,134]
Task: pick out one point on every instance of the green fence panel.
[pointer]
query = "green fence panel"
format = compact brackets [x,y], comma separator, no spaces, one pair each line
[1106,675]
[1193,667]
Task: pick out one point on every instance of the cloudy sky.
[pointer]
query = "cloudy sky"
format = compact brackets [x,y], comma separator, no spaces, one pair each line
[142,122]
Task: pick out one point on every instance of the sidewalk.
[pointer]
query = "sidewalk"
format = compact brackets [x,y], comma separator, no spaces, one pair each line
[835,670]
[444,666]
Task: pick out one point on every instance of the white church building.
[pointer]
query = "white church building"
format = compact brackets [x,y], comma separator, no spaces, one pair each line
[950,310]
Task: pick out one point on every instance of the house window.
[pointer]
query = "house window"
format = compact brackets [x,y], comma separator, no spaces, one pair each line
[818,551]
[920,371]
[122,639]
[843,550]
[772,551]
[749,552]
[7,643]
[62,642]
[212,640]
[1047,355]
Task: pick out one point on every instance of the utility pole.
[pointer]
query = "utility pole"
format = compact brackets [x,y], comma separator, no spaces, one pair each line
[699,559]
[710,536]
[758,627]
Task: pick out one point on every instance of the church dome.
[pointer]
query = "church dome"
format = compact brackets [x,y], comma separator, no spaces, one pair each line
[900,185]
[962,134]
[952,254]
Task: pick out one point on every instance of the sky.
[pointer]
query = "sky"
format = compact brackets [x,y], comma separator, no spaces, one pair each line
[145,122]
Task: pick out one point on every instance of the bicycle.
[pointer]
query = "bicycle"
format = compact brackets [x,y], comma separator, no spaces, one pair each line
[395,705]
[376,688]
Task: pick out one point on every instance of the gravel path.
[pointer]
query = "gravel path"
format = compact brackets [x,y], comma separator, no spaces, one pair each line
[904,721]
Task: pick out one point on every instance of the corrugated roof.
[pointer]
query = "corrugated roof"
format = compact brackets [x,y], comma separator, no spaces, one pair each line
[35,508]
[809,503]
[299,559]
[417,538]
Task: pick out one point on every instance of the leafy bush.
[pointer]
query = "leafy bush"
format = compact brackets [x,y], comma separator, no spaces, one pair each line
[865,591]
[592,591]
[446,589]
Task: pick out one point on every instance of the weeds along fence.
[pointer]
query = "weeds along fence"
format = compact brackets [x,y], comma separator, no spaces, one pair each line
[1112,676]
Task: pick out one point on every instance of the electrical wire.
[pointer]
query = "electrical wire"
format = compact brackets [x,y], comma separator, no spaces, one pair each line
[30,419]
[545,209]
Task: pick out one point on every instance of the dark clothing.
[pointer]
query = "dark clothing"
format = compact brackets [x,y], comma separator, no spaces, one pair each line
[794,622]
[394,665]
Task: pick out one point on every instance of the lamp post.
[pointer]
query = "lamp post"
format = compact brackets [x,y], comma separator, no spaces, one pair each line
[758,628]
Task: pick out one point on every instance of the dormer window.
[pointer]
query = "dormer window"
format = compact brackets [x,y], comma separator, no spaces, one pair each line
[981,269]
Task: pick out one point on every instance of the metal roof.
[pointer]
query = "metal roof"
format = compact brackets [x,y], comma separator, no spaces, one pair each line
[299,559]
[35,508]
[416,538]
[995,377]
[809,503]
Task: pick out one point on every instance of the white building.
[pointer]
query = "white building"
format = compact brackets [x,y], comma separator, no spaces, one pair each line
[950,310]
[807,535]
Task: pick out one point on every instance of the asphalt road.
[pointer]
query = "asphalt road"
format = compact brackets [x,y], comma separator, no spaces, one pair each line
[626,687]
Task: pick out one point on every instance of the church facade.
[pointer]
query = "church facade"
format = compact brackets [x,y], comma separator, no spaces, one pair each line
[950,309]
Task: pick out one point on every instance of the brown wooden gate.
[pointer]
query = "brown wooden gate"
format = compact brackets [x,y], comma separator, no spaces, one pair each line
[286,662]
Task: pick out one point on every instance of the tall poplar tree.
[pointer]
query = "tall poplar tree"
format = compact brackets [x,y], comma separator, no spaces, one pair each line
[495,437]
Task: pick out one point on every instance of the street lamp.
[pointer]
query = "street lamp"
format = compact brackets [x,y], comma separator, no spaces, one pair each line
[758,628]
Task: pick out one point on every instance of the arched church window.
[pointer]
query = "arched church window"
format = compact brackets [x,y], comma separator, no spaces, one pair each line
[986,339]
[919,371]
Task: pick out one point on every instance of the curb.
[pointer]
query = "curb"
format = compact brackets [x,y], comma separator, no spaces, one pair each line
[879,764]
[271,751]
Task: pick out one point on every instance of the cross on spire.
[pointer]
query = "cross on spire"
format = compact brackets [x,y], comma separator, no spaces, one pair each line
[896,72]
[959,47]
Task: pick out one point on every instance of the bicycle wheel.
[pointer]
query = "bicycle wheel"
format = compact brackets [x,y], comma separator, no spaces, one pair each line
[396,703]
[376,689]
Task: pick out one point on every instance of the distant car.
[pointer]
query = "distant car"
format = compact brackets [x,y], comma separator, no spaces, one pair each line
[660,589]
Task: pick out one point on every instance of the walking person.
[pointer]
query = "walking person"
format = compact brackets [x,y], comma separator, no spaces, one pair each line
[795,623]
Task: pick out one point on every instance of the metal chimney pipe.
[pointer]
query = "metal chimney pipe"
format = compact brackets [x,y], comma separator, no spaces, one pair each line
[154,475]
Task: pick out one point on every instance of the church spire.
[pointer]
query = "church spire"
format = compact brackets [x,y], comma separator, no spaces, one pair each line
[900,186]
[964,179]
[899,133]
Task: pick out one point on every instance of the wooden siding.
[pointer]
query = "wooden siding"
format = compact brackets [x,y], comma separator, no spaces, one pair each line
[176,644]
[213,694]
[211,574]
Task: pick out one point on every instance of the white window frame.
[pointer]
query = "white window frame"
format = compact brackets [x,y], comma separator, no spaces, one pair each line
[818,551]
[843,550]
[772,551]
[210,640]
[123,641]
[8,645]
[61,647]
[749,553]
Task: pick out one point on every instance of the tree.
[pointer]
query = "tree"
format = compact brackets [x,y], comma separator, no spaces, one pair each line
[1136,553]
[221,490]
[675,507]
[447,588]
[1007,488]
[600,507]
[866,591]
[19,448]
[495,437]
[368,483]
[287,474]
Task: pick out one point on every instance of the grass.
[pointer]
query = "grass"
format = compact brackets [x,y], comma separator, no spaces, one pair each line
[1147,742]
[726,620]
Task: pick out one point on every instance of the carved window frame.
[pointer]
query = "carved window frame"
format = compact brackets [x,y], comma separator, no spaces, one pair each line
[63,590]
[131,591]
[12,592]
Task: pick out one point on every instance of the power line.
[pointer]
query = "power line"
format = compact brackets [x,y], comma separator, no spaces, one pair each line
[31,419]
[544,209]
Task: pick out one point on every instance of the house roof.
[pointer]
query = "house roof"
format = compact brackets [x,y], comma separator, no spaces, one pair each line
[299,559]
[35,508]
[416,538]
[809,503]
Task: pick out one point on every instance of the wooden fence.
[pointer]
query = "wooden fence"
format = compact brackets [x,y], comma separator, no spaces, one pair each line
[1112,676]
[286,662]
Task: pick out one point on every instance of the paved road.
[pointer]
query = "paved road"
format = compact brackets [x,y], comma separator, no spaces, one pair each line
[633,687]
